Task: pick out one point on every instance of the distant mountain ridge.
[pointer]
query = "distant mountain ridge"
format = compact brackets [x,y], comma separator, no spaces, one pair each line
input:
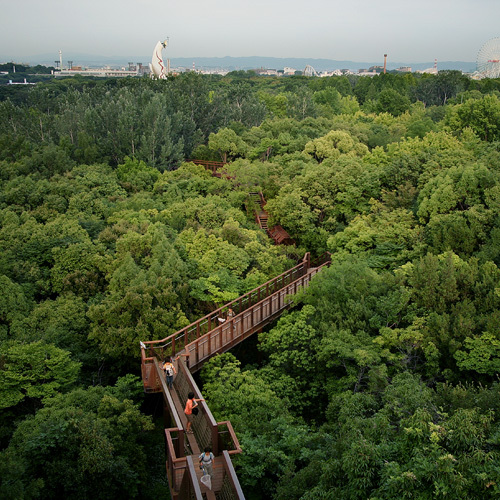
[241,63]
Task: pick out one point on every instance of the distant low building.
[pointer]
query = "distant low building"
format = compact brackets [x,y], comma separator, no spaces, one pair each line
[20,83]
[101,72]
[214,71]
[335,72]
[404,69]
[266,72]
[430,71]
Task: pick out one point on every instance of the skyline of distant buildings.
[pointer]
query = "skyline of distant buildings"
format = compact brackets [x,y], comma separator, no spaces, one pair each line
[138,69]
[226,65]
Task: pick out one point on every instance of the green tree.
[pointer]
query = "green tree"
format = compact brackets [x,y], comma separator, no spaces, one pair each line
[391,101]
[139,305]
[385,237]
[333,144]
[61,322]
[13,306]
[227,143]
[33,372]
[136,175]
[271,439]
[86,443]
[480,115]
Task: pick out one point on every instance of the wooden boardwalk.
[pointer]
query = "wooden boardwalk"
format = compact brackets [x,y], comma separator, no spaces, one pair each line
[192,347]
[234,330]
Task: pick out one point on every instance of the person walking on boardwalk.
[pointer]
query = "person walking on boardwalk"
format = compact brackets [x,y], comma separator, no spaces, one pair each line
[206,461]
[230,314]
[191,404]
[169,370]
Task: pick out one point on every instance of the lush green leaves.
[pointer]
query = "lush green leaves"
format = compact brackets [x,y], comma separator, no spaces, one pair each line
[86,443]
[34,371]
[381,386]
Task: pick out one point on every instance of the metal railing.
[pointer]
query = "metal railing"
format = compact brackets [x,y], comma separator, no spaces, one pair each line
[207,432]
[190,488]
[231,489]
[178,439]
[210,165]
[175,465]
[204,426]
[174,343]
[253,319]
[227,438]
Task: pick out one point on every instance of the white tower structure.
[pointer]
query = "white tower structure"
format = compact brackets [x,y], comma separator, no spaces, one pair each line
[60,59]
[157,66]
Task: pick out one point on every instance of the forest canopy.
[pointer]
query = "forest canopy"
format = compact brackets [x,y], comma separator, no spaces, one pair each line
[382,381]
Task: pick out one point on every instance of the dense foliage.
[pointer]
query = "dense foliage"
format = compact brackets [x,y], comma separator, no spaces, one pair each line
[381,383]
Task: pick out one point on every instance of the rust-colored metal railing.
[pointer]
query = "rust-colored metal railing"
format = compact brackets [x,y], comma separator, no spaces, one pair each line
[227,438]
[175,422]
[175,464]
[174,343]
[241,326]
[206,428]
[231,489]
[190,488]
[276,233]
[220,436]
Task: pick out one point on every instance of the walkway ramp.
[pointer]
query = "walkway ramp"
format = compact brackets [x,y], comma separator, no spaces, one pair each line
[193,346]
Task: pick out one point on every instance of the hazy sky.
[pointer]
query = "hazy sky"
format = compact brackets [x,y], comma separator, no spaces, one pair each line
[358,30]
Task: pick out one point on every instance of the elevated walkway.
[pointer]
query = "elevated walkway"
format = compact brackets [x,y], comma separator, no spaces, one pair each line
[182,449]
[276,233]
[213,166]
[193,346]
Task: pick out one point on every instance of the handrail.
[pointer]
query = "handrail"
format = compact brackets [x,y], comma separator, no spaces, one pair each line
[320,261]
[205,413]
[275,295]
[246,323]
[190,487]
[233,478]
[174,463]
[276,232]
[208,164]
[168,345]
[170,401]
[236,444]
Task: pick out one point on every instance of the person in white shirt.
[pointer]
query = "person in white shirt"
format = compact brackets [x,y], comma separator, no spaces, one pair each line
[169,370]
[206,461]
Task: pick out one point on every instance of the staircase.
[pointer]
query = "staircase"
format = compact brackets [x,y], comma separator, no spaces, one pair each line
[276,233]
